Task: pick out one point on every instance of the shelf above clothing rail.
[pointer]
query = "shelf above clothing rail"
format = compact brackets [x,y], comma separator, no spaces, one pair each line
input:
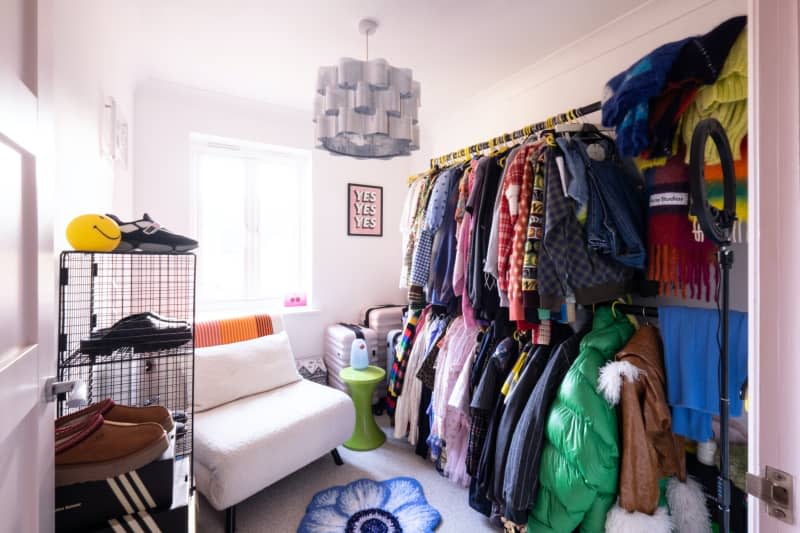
[530,129]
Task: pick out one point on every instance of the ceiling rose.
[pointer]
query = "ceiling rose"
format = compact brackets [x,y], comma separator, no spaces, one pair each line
[366,109]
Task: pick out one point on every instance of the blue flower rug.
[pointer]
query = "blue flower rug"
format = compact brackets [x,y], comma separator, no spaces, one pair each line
[397,505]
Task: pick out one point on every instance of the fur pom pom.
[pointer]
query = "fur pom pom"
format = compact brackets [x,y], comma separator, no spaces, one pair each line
[687,503]
[609,383]
[618,520]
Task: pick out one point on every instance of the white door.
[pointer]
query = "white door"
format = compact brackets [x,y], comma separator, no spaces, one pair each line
[27,283]
[774,240]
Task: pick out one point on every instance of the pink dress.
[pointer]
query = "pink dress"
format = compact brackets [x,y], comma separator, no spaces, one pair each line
[460,341]
[456,428]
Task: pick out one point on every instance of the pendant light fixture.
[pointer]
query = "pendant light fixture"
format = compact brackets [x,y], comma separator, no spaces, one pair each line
[366,109]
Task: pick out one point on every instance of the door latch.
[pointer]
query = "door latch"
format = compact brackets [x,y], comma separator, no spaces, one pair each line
[776,488]
[58,390]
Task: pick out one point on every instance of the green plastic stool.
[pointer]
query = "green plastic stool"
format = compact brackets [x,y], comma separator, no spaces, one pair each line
[366,435]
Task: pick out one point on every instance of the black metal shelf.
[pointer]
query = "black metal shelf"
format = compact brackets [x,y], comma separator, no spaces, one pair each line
[96,290]
[78,359]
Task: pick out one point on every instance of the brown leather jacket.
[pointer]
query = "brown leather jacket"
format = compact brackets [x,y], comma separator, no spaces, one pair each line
[650,450]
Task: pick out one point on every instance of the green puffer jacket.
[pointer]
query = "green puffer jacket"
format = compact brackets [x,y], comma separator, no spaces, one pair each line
[580,462]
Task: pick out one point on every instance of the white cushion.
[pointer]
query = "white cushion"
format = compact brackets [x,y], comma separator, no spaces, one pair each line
[245,446]
[230,371]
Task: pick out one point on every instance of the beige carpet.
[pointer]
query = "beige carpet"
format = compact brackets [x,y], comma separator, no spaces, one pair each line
[279,508]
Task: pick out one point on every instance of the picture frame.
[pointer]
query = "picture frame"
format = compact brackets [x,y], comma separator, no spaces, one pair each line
[364,210]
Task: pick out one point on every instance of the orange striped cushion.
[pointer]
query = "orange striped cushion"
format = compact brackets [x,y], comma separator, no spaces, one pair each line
[229,330]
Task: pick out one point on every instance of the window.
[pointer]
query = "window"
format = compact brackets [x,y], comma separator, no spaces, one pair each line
[252,219]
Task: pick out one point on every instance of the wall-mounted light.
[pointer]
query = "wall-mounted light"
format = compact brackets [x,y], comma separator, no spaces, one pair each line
[113,133]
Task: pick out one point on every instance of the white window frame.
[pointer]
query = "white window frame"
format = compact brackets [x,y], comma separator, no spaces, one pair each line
[211,144]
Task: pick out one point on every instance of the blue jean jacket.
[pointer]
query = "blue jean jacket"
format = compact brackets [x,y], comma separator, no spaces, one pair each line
[615,224]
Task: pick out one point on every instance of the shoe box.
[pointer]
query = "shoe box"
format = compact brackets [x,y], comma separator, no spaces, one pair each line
[174,519]
[81,506]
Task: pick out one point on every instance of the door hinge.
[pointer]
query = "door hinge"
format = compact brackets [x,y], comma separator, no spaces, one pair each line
[776,489]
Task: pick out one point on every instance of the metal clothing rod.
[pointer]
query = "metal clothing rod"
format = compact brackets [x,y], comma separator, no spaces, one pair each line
[551,122]
[637,310]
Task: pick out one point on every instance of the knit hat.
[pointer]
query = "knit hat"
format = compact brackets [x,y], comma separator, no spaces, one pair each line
[679,263]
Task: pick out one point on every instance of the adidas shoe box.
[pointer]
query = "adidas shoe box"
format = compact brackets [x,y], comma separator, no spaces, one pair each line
[174,519]
[338,342]
[84,506]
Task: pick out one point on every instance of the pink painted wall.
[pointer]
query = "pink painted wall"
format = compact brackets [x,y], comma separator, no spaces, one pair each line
[774,191]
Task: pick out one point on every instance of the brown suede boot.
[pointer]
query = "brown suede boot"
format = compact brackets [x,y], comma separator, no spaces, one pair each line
[118,413]
[97,449]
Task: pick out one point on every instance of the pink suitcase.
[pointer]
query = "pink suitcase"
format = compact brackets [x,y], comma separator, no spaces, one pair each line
[383,319]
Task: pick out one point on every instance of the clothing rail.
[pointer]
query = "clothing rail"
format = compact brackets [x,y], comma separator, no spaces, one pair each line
[636,310]
[551,122]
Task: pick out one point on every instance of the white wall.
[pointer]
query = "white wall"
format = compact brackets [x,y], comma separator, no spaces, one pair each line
[90,61]
[348,273]
[574,76]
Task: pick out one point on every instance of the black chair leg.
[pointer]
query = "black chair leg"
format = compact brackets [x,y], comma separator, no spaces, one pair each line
[336,457]
[230,519]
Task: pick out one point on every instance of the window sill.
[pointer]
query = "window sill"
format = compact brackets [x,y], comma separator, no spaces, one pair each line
[237,310]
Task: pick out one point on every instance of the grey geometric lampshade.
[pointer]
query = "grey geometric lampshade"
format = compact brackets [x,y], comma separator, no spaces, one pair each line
[367,109]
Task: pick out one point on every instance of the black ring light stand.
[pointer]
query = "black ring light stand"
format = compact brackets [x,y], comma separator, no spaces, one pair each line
[717,225]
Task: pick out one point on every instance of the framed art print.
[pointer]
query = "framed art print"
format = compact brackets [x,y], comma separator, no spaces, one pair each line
[364,210]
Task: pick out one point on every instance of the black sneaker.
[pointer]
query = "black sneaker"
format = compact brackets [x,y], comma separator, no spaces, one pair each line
[142,332]
[149,236]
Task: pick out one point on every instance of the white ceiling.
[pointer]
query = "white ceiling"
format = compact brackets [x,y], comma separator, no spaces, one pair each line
[270,50]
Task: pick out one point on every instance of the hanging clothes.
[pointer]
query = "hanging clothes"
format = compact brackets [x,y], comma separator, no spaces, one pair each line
[691,358]
[516,310]
[407,415]
[456,430]
[518,485]
[580,460]
[567,269]
[457,345]
[461,268]
[394,385]
[484,401]
[491,267]
[515,402]
[510,200]
[650,450]
[408,218]
[434,216]
[681,264]
[534,234]
[626,98]
[485,301]
[699,63]
[715,188]
[443,250]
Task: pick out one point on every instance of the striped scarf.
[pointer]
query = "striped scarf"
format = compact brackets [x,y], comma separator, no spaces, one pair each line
[680,263]
[397,374]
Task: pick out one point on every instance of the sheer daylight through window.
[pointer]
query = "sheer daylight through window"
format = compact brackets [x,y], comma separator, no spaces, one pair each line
[251,211]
